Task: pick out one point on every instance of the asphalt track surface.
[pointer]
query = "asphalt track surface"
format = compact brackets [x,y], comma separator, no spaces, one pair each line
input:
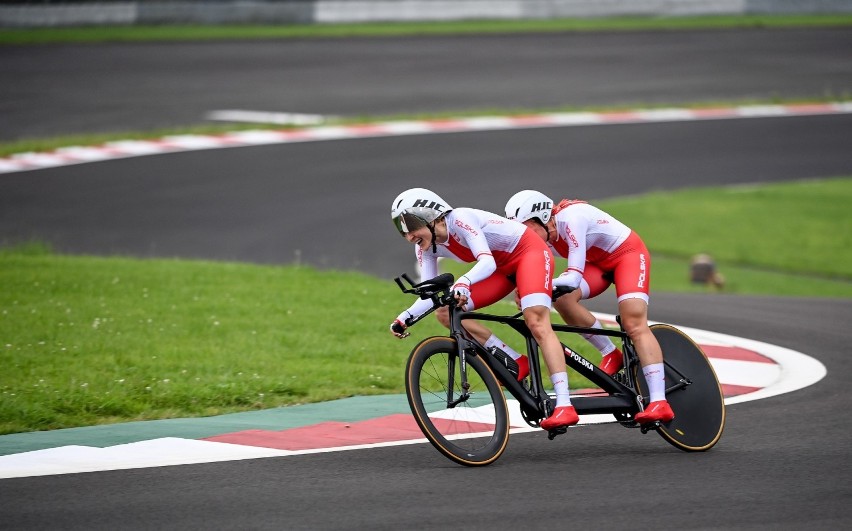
[783,462]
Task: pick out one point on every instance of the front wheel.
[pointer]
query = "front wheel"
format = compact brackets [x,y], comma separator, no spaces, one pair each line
[470,427]
[699,405]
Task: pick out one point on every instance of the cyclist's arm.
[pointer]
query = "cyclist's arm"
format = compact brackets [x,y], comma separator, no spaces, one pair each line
[428,263]
[574,232]
[477,243]
[484,268]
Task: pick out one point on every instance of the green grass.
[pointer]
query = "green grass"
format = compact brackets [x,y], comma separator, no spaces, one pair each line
[94,340]
[97,34]
[803,227]
[87,340]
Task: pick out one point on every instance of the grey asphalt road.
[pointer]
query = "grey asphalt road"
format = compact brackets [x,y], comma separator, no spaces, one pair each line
[783,462]
[57,90]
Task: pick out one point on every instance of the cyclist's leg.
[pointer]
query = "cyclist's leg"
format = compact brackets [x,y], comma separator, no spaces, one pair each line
[534,292]
[533,278]
[482,294]
[485,293]
[634,318]
[574,313]
[479,332]
[631,270]
[632,274]
[595,281]
[538,321]
[631,267]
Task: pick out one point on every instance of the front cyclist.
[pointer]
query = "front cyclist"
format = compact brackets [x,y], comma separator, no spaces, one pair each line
[507,255]
[600,250]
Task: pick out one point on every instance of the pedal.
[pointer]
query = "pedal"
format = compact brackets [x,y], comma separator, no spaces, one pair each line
[651,426]
[558,431]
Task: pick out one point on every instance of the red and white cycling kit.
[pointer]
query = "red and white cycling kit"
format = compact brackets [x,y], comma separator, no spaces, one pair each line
[501,248]
[600,249]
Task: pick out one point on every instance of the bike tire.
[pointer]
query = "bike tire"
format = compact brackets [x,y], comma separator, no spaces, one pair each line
[699,407]
[474,432]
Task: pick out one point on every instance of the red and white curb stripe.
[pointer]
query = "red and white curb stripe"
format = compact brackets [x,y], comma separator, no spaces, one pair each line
[173,144]
[750,370]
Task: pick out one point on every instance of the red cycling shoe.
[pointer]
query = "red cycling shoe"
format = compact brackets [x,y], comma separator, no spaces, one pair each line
[612,362]
[656,411]
[562,417]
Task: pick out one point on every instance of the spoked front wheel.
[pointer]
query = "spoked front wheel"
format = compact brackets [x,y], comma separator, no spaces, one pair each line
[693,392]
[468,424]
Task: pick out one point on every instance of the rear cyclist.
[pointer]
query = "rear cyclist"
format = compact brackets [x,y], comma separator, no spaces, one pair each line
[501,250]
[600,250]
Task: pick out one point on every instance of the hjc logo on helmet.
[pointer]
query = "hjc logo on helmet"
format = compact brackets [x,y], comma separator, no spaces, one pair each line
[428,204]
[545,205]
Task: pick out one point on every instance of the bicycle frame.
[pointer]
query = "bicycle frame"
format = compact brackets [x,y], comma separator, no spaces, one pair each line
[619,398]
[622,395]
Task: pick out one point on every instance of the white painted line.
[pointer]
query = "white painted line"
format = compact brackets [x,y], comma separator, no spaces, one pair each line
[190,142]
[263,117]
[329,132]
[258,138]
[42,160]
[666,115]
[85,154]
[487,123]
[154,453]
[137,147]
[405,128]
[575,118]
[763,110]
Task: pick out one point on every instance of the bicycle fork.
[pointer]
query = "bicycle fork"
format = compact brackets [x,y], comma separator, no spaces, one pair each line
[464,385]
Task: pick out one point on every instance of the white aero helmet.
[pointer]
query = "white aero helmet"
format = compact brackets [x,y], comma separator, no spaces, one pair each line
[415,208]
[529,204]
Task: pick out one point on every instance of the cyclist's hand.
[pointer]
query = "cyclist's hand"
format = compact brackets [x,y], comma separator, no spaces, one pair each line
[569,279]
[397,328]
[461,291]
[517,299]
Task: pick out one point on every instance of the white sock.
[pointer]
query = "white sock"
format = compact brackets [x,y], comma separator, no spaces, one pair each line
[494,341]
[560,386]
[603,343]
[655,376]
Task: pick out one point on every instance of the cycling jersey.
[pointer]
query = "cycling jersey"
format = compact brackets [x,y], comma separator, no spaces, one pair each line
[600,249]
[507,254]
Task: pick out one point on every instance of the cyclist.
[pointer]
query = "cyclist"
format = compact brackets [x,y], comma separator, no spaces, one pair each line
[600,250]
[507,255]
